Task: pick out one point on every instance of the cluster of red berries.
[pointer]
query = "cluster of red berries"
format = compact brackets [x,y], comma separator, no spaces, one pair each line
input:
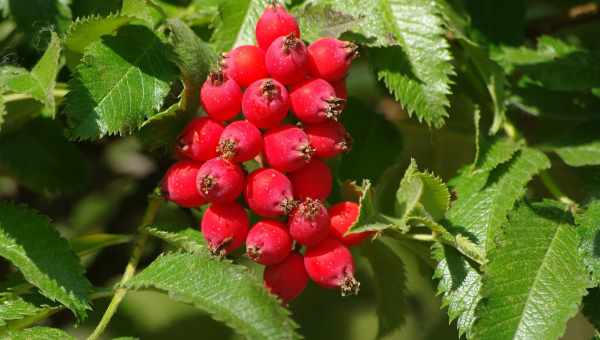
[278,75]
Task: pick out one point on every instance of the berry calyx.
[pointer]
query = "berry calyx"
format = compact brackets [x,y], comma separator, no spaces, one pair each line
[287,148]
[265,103]
[341,217]
[221,96]
[179,184]
[224,227]
[244,64]
[268,242]
[314,101]
[309,222]
[286,59]
[268,193]
[287,279]
[199,139]
[220,181]
[329,139]
[274,23]
[331,58]
[313,180]
[240,141]
[330,265]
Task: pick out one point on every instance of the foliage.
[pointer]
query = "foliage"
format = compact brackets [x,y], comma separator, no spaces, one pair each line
[476,165]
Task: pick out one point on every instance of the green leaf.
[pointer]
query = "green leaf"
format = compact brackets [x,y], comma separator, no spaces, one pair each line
[368,218]
[182,237]
[194,58]
[64,168]
[29,241]
[145,10]
[535,271]
[89,244]
[19,307]
[40,82]
[483,202]
[579,146]
[228,292]
[588,229]
[237,23]
[555,65]
[87,30]
[38,333]
[421,193]
[390,283]
[122,81]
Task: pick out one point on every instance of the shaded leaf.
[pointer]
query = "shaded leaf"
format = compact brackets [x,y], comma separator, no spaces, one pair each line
[390,283]
[122,81]
[591,306]
[180,236]
[161,130]
[588,229]
[64,168]
[577,147]
[48,16]
[487,16]
[19,307]
[44,258]
[89,244]
[535,271]
[228,292]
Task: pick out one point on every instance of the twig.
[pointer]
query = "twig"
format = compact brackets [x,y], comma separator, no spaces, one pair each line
[136,254]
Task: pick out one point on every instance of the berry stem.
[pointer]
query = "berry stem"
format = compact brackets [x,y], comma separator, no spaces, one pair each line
[154,203]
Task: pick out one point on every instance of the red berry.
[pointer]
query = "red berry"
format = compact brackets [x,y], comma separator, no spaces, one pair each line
[265,103]
[312,181]
[314,101]
[224,227]
[330,265]
[342,216]
[287,148]
[286,60]
[240,141]
[330,58]
[274,23]
[286,279]
[179,184]
[329,139]
[220,181]
[340,89]
[221,96]
[199,139]
[309,222]
[269,193]
[268,242]
[244,64]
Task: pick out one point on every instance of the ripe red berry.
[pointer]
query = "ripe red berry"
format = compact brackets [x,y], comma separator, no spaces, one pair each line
[179,184]
[330,265]
[330,58]
[329,139]
[244,64]
[287,148]
[274,23]
[265,103]
[312,181]
[224,227]
[240,141]
[341,217]
[286,279]
[269,193]
[221,96]
[220,181]
[286,59]
[314,101]
[268,242]
[199,139]
[309,222]
[340,89]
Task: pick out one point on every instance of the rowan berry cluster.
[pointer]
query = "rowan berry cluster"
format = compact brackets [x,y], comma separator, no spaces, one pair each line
[265,82]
